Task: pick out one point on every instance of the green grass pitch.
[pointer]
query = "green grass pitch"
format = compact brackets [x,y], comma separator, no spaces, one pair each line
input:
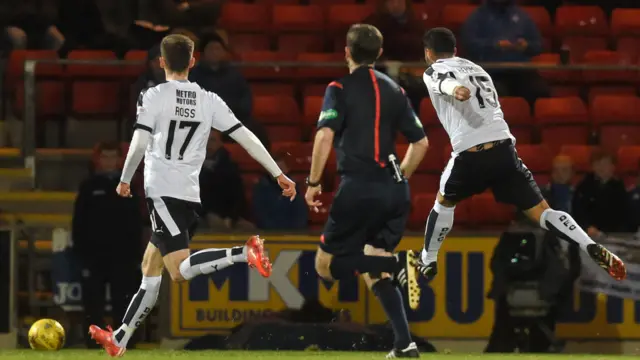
[274,355]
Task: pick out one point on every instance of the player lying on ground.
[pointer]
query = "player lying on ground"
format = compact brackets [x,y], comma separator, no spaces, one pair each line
[172,129]
[361,115]
[484,155]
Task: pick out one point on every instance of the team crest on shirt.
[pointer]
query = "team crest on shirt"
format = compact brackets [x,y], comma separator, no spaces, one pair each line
[328,114]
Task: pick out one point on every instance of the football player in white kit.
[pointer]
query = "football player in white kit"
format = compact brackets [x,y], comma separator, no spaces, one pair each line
[174,120]
[484,155]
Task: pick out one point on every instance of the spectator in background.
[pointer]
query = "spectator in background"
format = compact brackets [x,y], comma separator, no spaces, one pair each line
[269,212]
[500,31]
[31,24]
[106,226]
[402,31]
[97,24]
[153,74]
[600,204]
[215,73]
[221,187]
[559,192]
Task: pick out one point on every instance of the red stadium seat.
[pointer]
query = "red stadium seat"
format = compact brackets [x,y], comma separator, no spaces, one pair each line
[341,17]
[245,17]
[259,89]
[606,57]
[541,18]
[428,115]
[421,205]
[486,212]
[517,113]
[276,109]
[628,159]
[424,183]
[298,43]
[93,70]
[615,117]
[562,121]
[312,108]
[552,75]
[629,47]
[580,155]
[433,161]
[298,18]
[578,46]
[581,20]
[266,73]
[623,90]
[454,16]
[313,90]
[438,138]
[537,158]
[284,132]
[565,91]
[241,42]
[625,22]
[332,2]
[134,70]
[325,73]
[245,162]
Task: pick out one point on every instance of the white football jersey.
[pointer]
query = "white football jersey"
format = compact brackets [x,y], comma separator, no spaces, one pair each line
[472,122]
[179,115]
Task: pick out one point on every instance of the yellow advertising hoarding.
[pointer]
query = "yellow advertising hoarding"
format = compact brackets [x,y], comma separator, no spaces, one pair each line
[454,305]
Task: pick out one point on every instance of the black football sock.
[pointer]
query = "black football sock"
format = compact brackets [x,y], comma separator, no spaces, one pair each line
[391,300]
[346,266]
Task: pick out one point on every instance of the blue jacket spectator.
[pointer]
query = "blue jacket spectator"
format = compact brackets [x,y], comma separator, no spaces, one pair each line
[214,73]
[271,211]
[500,31]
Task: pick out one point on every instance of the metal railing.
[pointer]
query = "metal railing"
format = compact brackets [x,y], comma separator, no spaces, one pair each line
[393,69]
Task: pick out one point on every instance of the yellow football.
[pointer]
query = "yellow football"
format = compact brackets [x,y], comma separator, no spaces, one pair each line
[46,334]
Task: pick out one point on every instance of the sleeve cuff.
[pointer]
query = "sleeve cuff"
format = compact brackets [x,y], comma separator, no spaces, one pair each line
[232,129]
[142,127]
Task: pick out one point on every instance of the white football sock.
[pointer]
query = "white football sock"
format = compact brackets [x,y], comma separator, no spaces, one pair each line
[140,306]
[211,260]
[439,223]
[565,227]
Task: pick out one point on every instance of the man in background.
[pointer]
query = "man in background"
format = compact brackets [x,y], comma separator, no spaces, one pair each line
[30,24]
[273,212]
[600,202]
[501,31]
[105,221]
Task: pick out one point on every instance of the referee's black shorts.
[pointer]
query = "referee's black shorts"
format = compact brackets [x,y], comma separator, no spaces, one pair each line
[366,213]
[499,169]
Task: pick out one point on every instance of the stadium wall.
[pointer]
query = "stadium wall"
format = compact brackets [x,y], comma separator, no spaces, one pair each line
[454,306]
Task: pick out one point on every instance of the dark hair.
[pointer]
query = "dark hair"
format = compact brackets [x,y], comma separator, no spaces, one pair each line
[440,40]
[364,42]
[600,155]
[212,38]
[177,51]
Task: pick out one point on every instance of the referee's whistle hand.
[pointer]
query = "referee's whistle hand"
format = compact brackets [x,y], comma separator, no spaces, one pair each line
[124,190]
[312,192]
[462,93]
[288,187]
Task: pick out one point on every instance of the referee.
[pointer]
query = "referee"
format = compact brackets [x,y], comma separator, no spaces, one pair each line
[361,116]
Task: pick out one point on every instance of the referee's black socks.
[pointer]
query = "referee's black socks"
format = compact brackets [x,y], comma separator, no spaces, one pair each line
[391,300]
[346,266]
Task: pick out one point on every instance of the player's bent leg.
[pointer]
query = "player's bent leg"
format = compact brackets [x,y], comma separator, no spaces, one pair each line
[391,300]
[323,264]
[439,224]
[211,260]
[115,342]
[565,227]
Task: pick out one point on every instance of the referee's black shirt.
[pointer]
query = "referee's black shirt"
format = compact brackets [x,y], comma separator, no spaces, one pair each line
[366,109]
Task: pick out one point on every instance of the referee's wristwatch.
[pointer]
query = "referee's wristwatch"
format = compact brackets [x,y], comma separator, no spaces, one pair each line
[311,184]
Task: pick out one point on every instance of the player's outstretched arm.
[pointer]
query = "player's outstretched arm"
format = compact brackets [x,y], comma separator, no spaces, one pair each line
[254,147]
[135,154]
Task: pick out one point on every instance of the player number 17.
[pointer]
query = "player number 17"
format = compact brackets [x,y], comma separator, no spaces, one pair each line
[192,125]
[484,91]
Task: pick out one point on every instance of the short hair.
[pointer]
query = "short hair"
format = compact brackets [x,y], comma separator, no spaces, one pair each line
[440,40]
[177,51]
[600,155]
[364,42]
